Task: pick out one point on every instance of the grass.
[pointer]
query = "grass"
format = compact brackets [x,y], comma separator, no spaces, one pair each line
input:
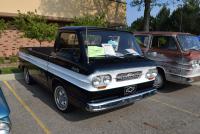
[13,59]
[9,70]
[1,60]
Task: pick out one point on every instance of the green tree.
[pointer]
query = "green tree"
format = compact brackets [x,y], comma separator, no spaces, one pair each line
[3,26]
[35,26]
[192,3]
[138,24]
[148,5]
[161,21]
[91,20]
[187,17]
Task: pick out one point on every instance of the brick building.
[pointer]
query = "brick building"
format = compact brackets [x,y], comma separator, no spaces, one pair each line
[59,11]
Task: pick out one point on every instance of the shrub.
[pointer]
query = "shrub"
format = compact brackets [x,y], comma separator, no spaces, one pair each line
[3,26]
[9,70]
[91,20]
[13,59]
[2,60]
[23,19]
[35,26]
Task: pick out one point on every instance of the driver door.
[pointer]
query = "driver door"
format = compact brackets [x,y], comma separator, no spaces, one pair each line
[165,51]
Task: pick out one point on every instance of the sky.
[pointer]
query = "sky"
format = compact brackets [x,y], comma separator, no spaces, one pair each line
[133,13]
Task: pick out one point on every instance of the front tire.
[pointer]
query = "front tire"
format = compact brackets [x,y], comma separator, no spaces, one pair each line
[159,81]
[27,76]
[61,99]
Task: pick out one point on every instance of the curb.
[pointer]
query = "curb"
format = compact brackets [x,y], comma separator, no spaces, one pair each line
[15,76]
[196,84]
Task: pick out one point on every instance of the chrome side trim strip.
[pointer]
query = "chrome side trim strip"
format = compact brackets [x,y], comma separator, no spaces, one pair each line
[34,60]
[79,80]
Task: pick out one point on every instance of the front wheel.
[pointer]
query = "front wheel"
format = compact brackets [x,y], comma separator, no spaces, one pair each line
[159,81]
[27,76]
[61,99]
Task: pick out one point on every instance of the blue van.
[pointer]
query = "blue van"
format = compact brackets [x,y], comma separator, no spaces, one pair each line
[5,123]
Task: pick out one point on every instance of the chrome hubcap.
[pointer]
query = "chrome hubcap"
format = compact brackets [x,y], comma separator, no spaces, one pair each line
[158,81]
[26,76]
[60,97]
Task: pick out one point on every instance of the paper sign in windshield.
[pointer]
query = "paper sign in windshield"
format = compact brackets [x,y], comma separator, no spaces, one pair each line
[95,51]
[109,50]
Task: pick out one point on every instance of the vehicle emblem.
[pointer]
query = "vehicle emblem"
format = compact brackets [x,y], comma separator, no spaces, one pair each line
[129,90]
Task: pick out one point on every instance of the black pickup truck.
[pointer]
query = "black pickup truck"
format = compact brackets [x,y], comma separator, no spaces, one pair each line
[92,68]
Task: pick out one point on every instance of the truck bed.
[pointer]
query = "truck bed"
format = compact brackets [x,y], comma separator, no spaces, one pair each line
[42,52]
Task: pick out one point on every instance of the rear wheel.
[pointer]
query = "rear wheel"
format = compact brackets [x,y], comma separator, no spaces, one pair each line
[27,76]
[159,80]
[61,98]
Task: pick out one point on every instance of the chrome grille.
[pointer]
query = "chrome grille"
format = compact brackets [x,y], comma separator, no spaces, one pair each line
[129,76]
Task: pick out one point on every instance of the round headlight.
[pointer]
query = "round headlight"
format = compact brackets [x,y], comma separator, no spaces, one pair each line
[151,74]
[107,79]
[96,81]
[195,63]
[101,80]
[4,128]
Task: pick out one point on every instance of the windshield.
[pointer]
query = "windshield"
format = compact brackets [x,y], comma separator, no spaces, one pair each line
[101,44]
[189,42]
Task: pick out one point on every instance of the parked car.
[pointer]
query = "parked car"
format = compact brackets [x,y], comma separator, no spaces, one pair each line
[177,55]
[92,68]
[5,124]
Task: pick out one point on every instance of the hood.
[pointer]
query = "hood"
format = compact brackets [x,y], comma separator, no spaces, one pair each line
[4,109]
[117,64]
[193,54]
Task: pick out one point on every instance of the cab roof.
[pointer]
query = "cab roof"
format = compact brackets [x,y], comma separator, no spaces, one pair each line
[83,28]
[160,33]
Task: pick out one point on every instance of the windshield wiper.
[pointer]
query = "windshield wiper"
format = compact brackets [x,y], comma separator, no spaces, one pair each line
[109,56]
[132,54]
[114,56]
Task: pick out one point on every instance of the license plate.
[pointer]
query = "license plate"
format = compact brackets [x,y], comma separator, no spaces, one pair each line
[130,90]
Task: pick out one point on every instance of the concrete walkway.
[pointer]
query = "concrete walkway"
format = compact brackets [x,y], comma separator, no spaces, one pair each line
[16,76]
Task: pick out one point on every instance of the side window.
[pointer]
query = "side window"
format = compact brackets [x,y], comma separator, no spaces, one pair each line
[142,40]
[68,47]
[68,39]
[164,42]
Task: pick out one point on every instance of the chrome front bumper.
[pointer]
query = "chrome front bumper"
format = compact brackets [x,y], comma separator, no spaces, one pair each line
[105,105]
[182,79]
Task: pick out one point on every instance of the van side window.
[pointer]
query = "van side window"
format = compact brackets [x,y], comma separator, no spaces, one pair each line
[68,47]
[164,42]
[67,39]
[142,40]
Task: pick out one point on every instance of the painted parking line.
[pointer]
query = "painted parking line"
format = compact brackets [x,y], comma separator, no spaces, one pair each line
[38,121]
[176,108]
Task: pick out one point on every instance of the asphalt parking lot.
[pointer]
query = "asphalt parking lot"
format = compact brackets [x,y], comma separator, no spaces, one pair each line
[174,110]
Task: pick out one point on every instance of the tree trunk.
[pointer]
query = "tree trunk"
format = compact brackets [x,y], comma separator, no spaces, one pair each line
[116,12]
[40,43]
[147,11]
